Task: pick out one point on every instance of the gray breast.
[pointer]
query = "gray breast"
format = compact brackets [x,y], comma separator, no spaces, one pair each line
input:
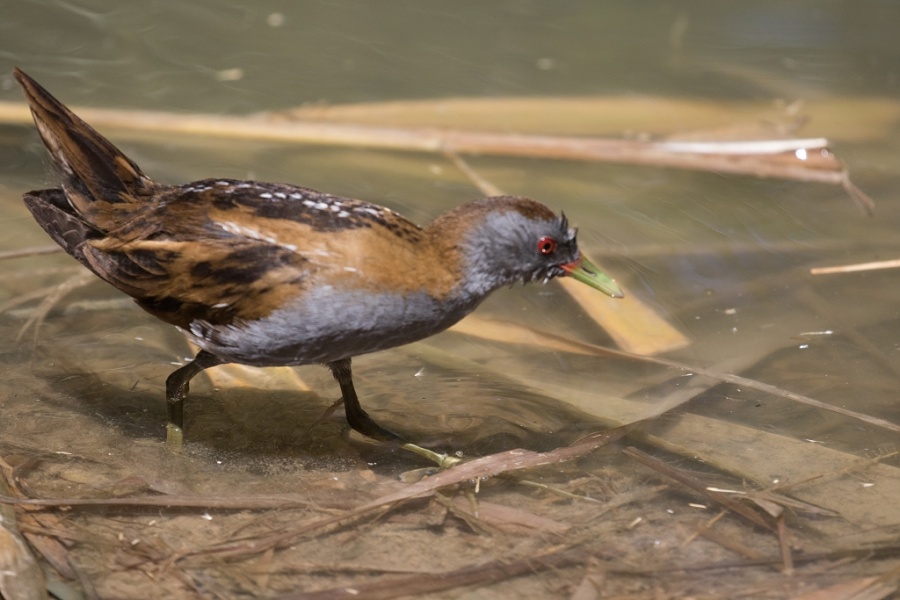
[330,325]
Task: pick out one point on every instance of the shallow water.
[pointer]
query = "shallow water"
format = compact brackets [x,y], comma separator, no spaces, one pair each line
[723,258]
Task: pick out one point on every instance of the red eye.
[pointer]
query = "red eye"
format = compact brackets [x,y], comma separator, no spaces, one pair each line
[546,245]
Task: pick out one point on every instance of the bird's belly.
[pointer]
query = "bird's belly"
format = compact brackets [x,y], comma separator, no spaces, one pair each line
[328,325]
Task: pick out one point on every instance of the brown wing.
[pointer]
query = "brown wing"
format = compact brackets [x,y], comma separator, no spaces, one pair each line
[223,250]
[204,251]
[216,280]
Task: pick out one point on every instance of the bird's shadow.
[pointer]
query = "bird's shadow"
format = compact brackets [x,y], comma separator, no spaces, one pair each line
[459,416]
[254,421]
[91,366]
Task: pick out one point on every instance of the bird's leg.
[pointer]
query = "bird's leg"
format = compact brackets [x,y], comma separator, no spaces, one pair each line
[360,420]
[177,386]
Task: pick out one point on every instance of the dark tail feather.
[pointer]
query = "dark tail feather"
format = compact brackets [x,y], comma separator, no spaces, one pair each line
[52,211]
[94,169]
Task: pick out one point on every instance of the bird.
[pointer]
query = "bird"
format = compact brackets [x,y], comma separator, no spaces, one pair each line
[271,274]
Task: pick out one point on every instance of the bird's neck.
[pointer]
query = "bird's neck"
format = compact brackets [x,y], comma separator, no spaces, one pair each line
[470,251]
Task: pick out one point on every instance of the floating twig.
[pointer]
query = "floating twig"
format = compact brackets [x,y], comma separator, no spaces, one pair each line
[802,159]
[26,252]
[854,268]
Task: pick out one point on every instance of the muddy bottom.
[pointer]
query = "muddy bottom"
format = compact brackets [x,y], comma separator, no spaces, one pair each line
[270,498]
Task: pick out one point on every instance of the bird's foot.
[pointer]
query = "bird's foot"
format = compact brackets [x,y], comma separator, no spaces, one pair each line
[443,461]
[174,438]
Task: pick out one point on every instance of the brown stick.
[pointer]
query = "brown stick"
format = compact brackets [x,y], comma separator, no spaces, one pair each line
[727,378]
[699,486]
[414,585]
[199,502]
[488,466]
[797,159]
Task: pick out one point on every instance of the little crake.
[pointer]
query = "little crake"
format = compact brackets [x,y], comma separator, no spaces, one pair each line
[269,274]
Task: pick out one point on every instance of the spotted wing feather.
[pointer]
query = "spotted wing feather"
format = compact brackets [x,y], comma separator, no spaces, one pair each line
[212,280]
